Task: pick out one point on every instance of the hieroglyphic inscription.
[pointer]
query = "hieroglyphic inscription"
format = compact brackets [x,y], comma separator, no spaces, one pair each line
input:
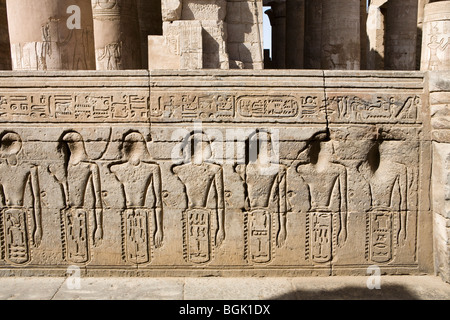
[356,109]
[89,107]
[267,106]
[305,108]
[190,106]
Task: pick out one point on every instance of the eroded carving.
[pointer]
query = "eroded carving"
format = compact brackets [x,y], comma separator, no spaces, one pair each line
[353,108]
[141,182]
[386,219]
[81,222]
[89,107]
[265,199]
[203,179]
[20,226]
[326,218]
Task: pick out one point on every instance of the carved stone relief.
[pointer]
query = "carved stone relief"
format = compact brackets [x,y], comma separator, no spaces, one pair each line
[21,227]
[211,179]
[81,225]
[265,200]
[140,179]
[201,178]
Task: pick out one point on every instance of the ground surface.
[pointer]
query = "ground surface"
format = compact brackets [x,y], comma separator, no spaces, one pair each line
[306,288]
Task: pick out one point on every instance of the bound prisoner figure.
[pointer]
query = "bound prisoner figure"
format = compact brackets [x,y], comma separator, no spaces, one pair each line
[203,181]
[20,227]
[326,218]
[265,199]
[141,180]
[81,222]
[386,219]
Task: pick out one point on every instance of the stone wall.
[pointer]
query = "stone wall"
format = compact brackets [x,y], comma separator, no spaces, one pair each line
[215,173]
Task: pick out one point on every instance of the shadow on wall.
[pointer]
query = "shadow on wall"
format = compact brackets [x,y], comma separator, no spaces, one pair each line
[387,292]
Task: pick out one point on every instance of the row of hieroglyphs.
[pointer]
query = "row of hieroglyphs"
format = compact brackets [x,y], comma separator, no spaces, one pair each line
[266,189]
[214,107]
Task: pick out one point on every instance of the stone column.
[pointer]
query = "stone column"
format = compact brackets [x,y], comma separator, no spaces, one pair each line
[375,26]
[150,23]
[364,41]
[341,49]
[51,34]
[401,35]
[436,37]
[313,34]
[295,33]
[420,11]
[436,59]
[117,37]
[439,101]
[5,50]
[277,16]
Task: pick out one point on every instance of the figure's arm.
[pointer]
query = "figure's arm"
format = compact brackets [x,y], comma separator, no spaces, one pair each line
[220,207]
[403,203]
[282,208]
[157,184]
[37,236]
[98,235]
[343,206]
[62,181]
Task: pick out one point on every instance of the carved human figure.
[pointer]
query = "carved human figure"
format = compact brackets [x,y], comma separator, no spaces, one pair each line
[265,198]
[201,178]
[386,219]
[81,224]
[139,178]
[434,46]
[112,53]
[326,218]
[16,232]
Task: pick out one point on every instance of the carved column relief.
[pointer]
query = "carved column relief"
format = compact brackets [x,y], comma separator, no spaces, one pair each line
[117,37]
[401,35]
[436,37]
[341,48]
[42,40]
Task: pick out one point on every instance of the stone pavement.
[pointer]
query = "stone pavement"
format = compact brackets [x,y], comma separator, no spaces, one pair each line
[305,288]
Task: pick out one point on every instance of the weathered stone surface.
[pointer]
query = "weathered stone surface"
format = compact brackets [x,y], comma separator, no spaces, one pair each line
[117,38]
[180,48]
[435,37]
[42,40]
[439,86]
[214,172]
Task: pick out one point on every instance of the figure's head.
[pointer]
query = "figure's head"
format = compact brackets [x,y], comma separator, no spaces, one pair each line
[11,144]
[199,147]
[135,146]
[73,138]
[71,145]
[259,147]
[322,147]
